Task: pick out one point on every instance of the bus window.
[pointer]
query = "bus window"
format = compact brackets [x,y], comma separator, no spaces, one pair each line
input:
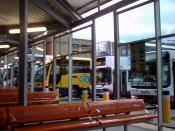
[148,78]
[104,76]
[40,72]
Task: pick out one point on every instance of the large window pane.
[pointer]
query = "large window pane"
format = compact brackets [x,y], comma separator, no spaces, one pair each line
[105,28]
[168,74]
[167,11]
[137,24]
[82,40]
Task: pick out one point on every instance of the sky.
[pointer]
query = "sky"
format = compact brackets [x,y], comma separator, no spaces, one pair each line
[133,25]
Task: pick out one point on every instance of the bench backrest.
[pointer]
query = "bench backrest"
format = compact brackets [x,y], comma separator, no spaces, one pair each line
[39,113]
[8,97]
[41,95]
[13,97]
[8,90]
[3,116]
[115,106]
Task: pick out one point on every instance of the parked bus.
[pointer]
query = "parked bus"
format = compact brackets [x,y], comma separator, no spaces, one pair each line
[145,86]
[80,75]
[105,68]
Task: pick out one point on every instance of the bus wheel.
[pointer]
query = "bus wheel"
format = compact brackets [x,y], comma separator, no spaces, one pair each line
[76,91]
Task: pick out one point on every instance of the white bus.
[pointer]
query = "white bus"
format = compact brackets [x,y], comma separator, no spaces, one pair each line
[105,68]
[143,85]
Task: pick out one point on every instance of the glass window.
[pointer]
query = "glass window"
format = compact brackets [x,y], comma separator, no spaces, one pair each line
[105,28]
[82,40]
[137,24]
[167,12]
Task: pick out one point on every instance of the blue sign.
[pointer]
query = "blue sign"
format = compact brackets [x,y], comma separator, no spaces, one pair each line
[84,79]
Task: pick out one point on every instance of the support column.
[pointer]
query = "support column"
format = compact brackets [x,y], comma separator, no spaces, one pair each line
[159,62]
[116,83]
[70,68]
[93,74]
[11,74]
[5,71]
[23,48]
[32,71]
[54,65]
[44,65]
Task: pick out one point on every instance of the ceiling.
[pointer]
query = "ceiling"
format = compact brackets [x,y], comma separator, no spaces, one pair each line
[68,10]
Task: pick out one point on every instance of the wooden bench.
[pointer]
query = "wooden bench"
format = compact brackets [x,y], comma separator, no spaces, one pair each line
[8,90]
[71,114]
[3,116]
[74,116]
[117,112]
[11,99]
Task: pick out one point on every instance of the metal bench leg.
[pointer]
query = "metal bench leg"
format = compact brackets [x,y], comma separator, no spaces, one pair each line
[104,128]
[125,127]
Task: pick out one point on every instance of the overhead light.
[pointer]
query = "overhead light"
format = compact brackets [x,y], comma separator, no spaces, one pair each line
[2,61]
[4,46]
[36,29]
[16,57]
[40,49]
[37,62]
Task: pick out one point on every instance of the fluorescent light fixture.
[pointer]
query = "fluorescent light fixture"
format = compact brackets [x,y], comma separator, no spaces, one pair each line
[36,29]
[40,49]
[16,57]
[37,62]
[4,46]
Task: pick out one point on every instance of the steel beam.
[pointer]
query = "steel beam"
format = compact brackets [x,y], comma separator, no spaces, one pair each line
[159,62]
[116,84]
[70,68]
[32,72]
[70,9]
[11,74]
[23,49]
[54,65]
[41,4]
[93,74]
[9,40]
[44,65]
[105,11]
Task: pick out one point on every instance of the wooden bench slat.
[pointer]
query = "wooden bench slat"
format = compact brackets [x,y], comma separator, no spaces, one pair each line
[71,125]
[125,119]
[3,116]
[115,106]
[11,99]
[8,97]
[34,102]
[39,113]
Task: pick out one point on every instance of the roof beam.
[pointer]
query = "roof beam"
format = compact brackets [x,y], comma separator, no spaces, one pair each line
[109,9]
[41,4]
[12,42]
[70,9]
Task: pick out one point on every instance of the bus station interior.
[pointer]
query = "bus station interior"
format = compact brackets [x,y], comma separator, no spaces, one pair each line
[122,47]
